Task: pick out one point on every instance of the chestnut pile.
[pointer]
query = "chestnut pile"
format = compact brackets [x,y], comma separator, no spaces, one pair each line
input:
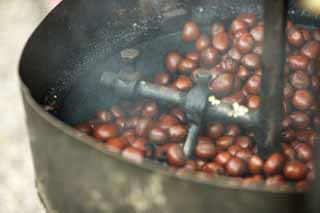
[144,129]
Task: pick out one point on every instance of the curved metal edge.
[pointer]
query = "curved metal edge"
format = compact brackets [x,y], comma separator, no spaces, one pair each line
[220,182]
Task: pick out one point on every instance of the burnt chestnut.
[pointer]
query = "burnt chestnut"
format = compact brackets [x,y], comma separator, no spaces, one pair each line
[190,31]
[302,100]
[274,164]
[295,170]
[172,61]
[105,131]
[236,167]
[176,156]
[202,42]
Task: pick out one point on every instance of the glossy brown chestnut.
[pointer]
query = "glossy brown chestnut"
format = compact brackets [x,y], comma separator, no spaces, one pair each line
[202,42]
[172,61]
[132,154]
[253,102]
[222,158]
[215,130]
[295,37]
[104,116]
[244,43]
[255,164]
[158,135]
[304,152]
[253,85]
[217,28]
[142,127]
[116,145]
[295,170]
[244,154]
[274,164]
[249,18]
[298,62]
[225,141]
[176,156]
[300,120]
[236,167]
[194,55]
[177,133]
[214,168]
[205,150]
[190,31]
[162,78]
[257,33]
[238,24]
[105,131]
[187,65]
[209,56]
[150,109]
[221,41]
[302,99]
[183,83]
[311,49]
[222,85]
[251,60]
[300,79]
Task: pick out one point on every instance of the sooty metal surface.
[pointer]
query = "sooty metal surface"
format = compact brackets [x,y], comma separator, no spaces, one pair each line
[66,55]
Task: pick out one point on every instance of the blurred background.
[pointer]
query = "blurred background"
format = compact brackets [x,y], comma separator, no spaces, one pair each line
[18,19]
